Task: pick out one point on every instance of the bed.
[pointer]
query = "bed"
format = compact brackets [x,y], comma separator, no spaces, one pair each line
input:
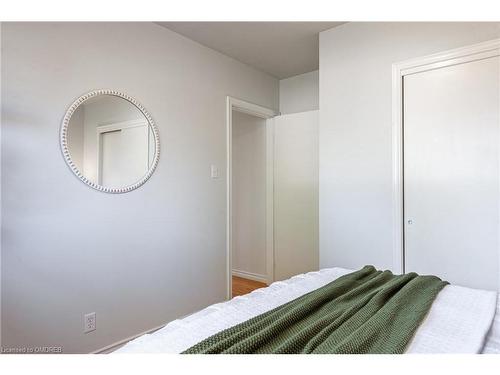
[460,320]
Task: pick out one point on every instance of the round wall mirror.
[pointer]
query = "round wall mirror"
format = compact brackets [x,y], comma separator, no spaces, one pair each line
[110,141]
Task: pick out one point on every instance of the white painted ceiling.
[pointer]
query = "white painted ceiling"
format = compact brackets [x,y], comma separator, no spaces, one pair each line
[281,49]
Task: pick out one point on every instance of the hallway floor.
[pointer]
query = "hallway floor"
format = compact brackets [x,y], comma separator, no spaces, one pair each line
[243,286]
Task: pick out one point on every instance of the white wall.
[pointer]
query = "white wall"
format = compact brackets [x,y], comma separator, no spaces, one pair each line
[249,195]
[355,130]
[299,93]
[296,194]
[138,259]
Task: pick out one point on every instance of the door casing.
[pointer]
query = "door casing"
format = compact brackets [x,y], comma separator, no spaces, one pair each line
[234,104]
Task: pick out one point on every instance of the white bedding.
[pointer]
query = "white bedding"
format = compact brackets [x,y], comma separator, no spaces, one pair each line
[458,321]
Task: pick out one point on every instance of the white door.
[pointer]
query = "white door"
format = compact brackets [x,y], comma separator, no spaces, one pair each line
[296,194]
[451,173]
[124,156]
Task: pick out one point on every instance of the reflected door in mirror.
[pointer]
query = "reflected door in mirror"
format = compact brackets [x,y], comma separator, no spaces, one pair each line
[124,153]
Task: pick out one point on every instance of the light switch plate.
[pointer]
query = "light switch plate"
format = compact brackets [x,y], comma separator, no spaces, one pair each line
[214,171]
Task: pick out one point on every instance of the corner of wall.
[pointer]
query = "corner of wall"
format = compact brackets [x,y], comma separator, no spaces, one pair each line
[299,93]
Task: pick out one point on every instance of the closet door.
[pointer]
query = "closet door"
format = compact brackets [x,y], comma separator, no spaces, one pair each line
[451,173]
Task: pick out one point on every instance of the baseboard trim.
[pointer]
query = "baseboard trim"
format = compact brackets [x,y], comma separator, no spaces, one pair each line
[250,276]
[111,348]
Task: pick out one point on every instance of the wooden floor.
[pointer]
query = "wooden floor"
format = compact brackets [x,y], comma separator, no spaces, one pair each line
[243,286]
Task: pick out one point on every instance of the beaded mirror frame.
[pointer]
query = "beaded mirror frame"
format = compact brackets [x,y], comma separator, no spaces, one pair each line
[66,153]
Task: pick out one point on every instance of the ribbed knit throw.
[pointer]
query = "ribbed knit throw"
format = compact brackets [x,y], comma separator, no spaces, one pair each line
[367,311]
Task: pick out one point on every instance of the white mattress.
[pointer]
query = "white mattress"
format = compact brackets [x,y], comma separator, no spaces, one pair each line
[492,345]
[458,321]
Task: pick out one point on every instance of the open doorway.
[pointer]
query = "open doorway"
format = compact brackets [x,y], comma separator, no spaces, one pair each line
[250,237]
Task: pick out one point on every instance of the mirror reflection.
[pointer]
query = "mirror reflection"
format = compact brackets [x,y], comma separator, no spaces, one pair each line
[111,141]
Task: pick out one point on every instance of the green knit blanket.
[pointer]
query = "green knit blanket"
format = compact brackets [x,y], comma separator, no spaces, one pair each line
[367,311]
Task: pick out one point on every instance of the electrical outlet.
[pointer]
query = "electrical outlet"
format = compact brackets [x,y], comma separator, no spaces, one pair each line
[89,322]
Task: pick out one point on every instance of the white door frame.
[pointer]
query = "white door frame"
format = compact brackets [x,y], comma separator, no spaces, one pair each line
[233,104]
[399,70]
